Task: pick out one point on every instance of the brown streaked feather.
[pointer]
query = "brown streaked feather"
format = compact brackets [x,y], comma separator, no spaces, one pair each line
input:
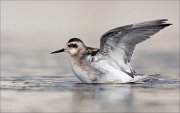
[91,51]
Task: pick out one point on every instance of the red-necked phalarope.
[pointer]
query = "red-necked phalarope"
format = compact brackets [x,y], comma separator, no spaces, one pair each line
[111,63]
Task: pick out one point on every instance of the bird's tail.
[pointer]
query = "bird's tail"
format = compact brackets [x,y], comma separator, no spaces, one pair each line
[143,78]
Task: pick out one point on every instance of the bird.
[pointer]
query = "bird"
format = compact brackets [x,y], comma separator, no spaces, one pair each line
[111,62]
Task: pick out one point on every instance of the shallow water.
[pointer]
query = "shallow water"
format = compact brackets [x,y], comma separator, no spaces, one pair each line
[44,93]
[68,82]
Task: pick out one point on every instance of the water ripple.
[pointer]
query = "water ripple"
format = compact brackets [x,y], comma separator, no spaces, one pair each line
[69,82]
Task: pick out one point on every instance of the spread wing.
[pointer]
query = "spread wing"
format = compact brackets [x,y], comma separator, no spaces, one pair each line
[120,42]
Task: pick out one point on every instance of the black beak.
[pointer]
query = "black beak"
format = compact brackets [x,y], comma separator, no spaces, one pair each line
[58,51]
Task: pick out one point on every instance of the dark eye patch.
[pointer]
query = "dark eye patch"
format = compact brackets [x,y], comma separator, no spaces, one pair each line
[72,45]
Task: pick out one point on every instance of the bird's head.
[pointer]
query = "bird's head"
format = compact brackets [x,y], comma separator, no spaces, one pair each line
[74,47]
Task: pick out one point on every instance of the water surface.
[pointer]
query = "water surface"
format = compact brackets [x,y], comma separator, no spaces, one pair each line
[44,93]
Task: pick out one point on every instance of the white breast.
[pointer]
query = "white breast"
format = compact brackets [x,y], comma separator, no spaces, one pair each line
[80,73]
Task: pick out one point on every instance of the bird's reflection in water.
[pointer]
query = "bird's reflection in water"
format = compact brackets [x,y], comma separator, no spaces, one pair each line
[102,97]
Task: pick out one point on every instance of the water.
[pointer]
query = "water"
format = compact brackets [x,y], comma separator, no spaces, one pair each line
[63,93]
[68,82]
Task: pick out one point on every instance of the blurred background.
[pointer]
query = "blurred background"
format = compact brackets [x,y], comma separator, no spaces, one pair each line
[31,30]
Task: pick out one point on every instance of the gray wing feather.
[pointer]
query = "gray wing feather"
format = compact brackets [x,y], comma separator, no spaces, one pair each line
[122,40]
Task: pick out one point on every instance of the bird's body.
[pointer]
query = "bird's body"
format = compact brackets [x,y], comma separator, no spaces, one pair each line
[111,63]
[90,68]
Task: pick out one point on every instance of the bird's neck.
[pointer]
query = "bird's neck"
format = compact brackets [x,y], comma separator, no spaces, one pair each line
[79,54]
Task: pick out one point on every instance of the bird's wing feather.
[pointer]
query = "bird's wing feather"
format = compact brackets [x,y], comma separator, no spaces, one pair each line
[120,42]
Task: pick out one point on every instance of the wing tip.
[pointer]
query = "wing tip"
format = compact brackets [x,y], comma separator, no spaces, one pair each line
[164,22]
[151,23]
[165,25]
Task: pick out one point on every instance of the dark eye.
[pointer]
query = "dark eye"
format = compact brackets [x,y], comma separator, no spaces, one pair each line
[72,45]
